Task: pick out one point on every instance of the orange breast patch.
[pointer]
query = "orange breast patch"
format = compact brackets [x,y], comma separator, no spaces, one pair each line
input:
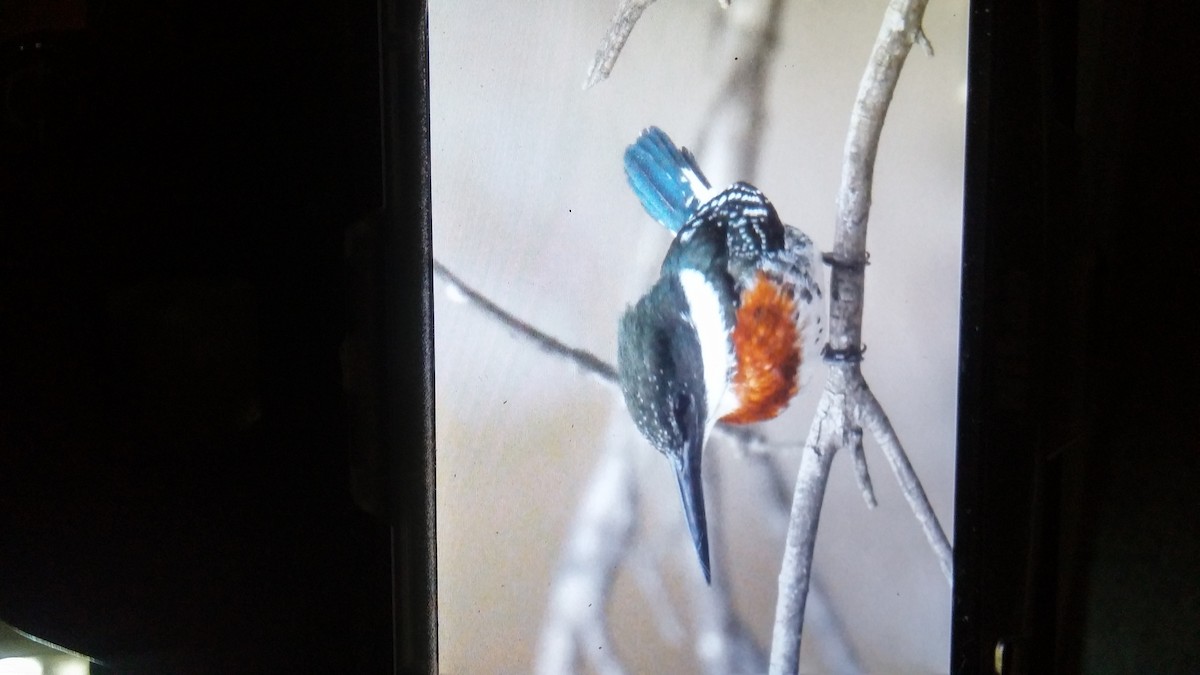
[766,345]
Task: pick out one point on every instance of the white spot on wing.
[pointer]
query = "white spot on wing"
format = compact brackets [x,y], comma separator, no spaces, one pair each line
[703,194]
[708,318]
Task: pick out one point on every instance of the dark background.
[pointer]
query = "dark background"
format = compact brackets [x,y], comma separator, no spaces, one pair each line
[1076,538]
[177,180]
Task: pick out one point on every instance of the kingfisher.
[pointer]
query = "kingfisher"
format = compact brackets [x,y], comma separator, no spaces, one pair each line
[731,327]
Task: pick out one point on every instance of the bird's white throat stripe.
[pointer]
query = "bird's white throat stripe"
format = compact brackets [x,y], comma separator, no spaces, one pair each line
[708,318]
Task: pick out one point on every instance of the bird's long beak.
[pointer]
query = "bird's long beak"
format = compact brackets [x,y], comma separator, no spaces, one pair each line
[691,488]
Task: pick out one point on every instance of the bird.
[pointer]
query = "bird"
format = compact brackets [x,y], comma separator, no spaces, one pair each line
[730,329]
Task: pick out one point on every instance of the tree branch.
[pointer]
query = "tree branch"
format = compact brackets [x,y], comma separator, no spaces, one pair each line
[861,471]
[846,403]
[900,30]
[837,651]
[881,428]
[734,121]
[807,499]
[628,13]
[585,360]
[574,624]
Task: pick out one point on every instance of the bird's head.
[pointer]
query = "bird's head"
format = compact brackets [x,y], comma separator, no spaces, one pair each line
[661,369]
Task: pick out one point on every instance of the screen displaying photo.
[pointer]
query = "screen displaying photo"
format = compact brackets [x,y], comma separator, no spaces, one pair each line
[610,310]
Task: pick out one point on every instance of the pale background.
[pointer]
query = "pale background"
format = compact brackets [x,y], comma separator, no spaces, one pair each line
[530,206]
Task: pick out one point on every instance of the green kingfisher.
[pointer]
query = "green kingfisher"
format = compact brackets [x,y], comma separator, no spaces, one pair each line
[727,330]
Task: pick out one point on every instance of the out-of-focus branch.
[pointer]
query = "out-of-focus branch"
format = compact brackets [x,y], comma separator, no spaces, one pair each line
[628,13]
[722,642]
[846,403]
[644,565]
[575,624]
[733,123]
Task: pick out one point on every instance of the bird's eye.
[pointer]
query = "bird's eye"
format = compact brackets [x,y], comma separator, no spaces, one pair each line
[683,405]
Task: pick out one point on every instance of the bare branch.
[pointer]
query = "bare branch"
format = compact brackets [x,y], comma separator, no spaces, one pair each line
[628,13]
[900,30]
[822,622]
[846,401]
[901,24]
[923,40]
[584,359]
[807,499]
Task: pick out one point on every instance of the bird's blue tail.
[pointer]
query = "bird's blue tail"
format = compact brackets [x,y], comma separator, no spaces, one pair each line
[665,178]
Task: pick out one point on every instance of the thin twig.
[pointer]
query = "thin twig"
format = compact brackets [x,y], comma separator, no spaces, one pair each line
[628,13]
[923,40]
[861,470]
[881,428]
[582,358]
